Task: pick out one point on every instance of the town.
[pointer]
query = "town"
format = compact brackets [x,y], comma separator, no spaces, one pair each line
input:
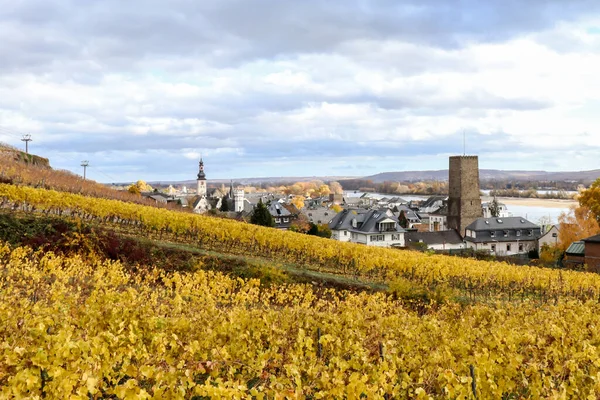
[457,224]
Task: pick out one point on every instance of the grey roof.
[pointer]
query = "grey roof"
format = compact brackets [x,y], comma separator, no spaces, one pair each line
[485,224]
[576,249]
[278,210]
[366,220]
[593,239]
[431,201]
[443,210]
[410,214]
[509,229]
[319,215]
[431,238]
[398,200]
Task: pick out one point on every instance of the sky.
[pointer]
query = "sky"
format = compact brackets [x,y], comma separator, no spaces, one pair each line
[143,88]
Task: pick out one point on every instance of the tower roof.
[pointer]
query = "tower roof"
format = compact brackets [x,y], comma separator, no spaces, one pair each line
[201,174]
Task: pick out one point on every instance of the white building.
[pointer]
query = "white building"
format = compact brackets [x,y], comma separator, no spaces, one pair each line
[503,236]
[370,227]
[502,210]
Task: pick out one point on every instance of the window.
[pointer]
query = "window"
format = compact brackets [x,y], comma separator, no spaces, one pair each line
[286,220]
[493,234]
[395,237]
[520,247]
[508,247]
[277,220]
[554,234]
[494,248]
[373,238]
[530,232]
[345,233]
[505,233]
[381,237]
[518,233]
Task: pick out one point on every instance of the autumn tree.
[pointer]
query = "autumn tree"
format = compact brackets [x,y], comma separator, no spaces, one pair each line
[590,199]
[579,223]
[298,202]
[336,187]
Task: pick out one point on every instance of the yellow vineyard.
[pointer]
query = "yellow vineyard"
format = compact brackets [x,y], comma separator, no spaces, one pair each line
[90,329]
[480,277]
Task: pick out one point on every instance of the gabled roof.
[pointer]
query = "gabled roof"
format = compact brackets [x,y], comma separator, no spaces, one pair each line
[443,210]
[593,239]
[433,238]
[278,210]
[576,249]
[430,202]
[366,221]
[486,224]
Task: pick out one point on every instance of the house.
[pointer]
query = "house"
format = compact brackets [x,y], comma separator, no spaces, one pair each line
[438,220]
[371,227]
[319,215]
[432,204]
[502,210]
[549,237]
[575,255]
[281,215]
[592,253]
[503,236]
[440,241]
[411,216]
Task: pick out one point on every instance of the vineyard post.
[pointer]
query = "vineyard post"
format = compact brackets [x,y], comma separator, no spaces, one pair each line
[381,351]
[473,381]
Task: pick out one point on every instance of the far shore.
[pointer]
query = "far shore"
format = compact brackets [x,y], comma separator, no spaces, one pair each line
[533,202]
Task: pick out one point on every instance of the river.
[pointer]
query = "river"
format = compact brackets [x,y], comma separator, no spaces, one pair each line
[531,209]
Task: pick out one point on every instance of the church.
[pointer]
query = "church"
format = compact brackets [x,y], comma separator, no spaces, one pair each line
[232,201]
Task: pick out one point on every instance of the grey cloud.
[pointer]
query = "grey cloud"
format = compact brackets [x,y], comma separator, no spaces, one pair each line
[124,35]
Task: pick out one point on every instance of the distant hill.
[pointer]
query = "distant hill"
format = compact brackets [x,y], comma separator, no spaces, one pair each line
[488,174]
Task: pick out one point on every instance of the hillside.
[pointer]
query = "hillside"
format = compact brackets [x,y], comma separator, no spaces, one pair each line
[12,153]
[104,298]
[19,168]
[488,174]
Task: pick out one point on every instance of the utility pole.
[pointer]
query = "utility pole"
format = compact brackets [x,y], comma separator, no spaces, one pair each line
[26,138]
[84,164]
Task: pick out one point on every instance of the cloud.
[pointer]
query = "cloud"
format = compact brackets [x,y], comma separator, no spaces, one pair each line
[296,88]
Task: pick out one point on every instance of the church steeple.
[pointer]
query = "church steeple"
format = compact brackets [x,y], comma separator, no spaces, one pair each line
[201,174]
[201,188]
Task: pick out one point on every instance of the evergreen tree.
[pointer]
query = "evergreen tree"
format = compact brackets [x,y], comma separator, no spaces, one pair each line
[262,216]
[225,204]
[494,208]
[402,220]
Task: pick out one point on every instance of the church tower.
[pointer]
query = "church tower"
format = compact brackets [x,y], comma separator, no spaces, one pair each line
[464,202]
[201,190]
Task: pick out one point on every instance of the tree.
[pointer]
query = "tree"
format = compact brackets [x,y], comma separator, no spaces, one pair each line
[224,204]
[262,216]
[298,202]
[579,223]
[494,208]
[590,199]
[300,224]
[337,208]
[133,189]
[402,220]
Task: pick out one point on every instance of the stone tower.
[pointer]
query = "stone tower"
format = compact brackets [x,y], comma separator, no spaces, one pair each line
[464,202]
[201,190]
